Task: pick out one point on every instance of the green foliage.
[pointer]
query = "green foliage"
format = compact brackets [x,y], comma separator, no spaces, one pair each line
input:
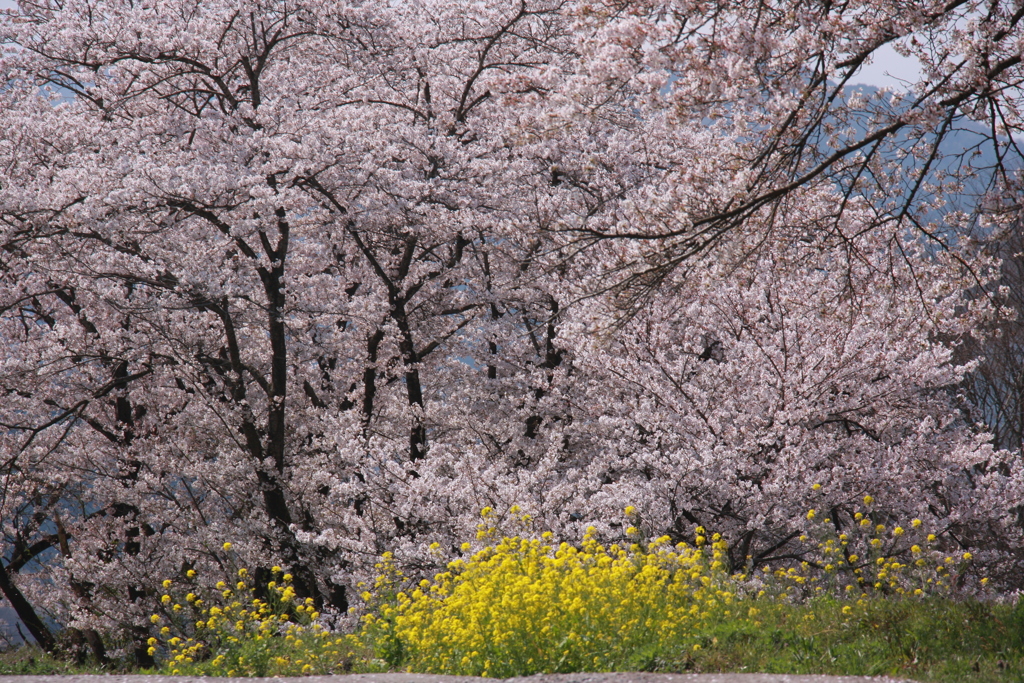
[936,639]
[29,660]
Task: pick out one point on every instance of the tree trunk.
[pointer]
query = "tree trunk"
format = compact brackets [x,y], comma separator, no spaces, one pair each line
[26,613]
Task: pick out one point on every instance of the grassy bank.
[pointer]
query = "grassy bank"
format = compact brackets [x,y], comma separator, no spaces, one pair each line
[931,640]
[28,660]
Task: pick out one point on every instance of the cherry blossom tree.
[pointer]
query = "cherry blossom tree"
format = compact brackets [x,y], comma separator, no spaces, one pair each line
[996,388]
[322,280]
[798,373]
[776,77]
[255,238]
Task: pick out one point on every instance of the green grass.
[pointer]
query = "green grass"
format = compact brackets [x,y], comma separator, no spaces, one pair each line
[932,640]
[29,660]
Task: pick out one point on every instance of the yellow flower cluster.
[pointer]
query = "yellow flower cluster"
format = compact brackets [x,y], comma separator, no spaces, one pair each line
[861,555]
[523,606]
[234,632]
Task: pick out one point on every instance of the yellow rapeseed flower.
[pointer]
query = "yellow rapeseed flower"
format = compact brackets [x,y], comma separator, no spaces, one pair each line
[524,592]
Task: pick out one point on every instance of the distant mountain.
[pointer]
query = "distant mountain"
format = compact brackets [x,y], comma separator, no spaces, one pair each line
[967,146]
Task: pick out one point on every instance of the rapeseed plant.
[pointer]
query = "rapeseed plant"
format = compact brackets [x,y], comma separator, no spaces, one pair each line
[527,605]
[232,631]
[523,604]
[862,557]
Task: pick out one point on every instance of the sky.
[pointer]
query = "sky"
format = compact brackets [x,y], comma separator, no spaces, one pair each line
[887,69]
